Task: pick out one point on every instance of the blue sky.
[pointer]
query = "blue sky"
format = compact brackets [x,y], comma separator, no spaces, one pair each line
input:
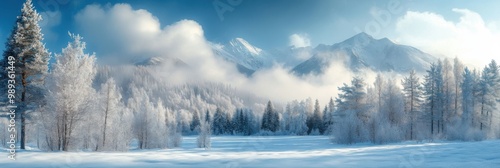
[267,24]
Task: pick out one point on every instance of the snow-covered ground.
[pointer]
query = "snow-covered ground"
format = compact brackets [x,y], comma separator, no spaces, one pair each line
[277,151]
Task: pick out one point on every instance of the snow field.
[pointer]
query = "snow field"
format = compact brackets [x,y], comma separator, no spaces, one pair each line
[276,151]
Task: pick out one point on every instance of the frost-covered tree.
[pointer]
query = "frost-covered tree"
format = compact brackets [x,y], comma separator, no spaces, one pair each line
[352,113]
[69,95]
[115,118]
[160,125]
[295,118]
[469,92]
[470,105]
[412,90]
[379,85]
[153,125]
[203,140]
[449,118]
[434,96]
[489,95]
[31,63]
[137,104]
[458,70]
[174,132]
[387,123]
[352,98]
[391,118]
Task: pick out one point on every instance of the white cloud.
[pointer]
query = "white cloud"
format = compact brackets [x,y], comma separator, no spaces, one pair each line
[123,33]
[49,20]
[470,38]
[299,40]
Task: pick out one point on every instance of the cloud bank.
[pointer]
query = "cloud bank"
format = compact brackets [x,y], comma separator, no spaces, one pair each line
[470,39]
[120,33]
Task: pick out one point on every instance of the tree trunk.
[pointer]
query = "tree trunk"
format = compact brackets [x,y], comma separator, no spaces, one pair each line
[23,102]
[106,118]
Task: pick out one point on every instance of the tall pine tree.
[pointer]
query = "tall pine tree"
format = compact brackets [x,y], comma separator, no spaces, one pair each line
[434,97]
[489,94]
[25,45]
[413,98]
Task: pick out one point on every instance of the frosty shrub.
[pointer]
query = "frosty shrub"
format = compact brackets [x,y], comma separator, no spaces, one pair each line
[203,140]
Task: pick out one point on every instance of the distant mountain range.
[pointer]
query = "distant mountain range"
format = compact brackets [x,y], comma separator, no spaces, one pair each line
[358,52]
[363,51]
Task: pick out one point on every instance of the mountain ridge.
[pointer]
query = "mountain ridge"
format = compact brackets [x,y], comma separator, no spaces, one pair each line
[364,51]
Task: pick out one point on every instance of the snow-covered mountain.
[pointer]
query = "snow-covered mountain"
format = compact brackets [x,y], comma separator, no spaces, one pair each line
[363,51]
[357,52]
[247,57]
[154,61]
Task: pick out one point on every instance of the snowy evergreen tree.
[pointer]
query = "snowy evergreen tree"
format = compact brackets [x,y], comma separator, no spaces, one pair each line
[352,98]
[229,126]
[328,116]
[195,122]
[207,117]
[219,123]
[270,119]
[412,90]
[248,122]
[434,97]
[352,112]
[31,63]
[243,122]
[470,105]
[489,95]
[316,119]
[238,121]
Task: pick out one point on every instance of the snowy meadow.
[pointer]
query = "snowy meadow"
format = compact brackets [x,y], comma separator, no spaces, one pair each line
[272,151]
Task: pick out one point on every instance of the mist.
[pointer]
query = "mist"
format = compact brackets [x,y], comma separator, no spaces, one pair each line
[185,41]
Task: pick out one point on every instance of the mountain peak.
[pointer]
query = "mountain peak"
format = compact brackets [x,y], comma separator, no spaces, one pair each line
[360,38]
[363,51]
[363,35]
[243,45]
